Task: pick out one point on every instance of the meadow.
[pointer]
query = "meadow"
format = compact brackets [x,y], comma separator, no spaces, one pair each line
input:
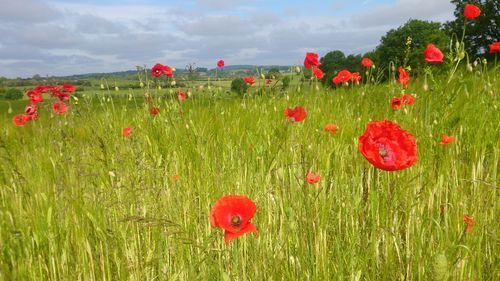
[79,201]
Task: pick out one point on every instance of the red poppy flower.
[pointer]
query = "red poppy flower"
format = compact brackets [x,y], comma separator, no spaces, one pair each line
[469,224]
[330,128]
[387,146]
[318,73]
[355,77]
[366,62]
[311,60]
[404,77]
[433,54]
[445,139]
[396,103]
[31,111]
[41,89]
[337,80]
[20,120]
[312,178]
[269,81]
[59,108]
[471,11]
[345,75]
[233,213]
[407,99]
[153,111]
[34,96]
[157,70]
[495,47]
[181,95]
[297,114]
[127,131]
[69,88]
[220,64]
[249,80]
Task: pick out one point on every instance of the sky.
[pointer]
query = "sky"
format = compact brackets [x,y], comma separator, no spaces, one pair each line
[63,37]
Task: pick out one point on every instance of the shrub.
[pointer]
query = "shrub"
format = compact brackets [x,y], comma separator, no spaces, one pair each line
[239,86]
[13,94]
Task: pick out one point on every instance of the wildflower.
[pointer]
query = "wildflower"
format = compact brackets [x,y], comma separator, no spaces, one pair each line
[433,54]
[311,60]
[20,120]
[469,223]
[249,80]
[153,111]
[404,77]
[181,96]
[312,178]
[495,47]
[297,114]
[59,108]
[126,132]
[233,213]
[330,128]
[318,73]
[366,62]
[445,139]
[471,11]
[220,64]
[387,146]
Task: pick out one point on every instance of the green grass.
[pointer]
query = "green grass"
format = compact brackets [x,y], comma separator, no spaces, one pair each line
[80,202]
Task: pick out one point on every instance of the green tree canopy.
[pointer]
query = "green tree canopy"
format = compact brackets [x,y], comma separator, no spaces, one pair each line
[336,61]
[480,32]
[393,45]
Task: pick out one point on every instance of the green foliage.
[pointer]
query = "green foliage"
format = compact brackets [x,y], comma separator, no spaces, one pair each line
[393,45]
[12,94]
[239,86]
[285,82]
[482,31]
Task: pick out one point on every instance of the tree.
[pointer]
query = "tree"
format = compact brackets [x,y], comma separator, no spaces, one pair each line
[395,46]
[335,61]
[480,32]
[13,94]
[273,73]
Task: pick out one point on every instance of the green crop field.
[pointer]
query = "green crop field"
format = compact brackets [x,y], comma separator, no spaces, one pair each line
[79,201]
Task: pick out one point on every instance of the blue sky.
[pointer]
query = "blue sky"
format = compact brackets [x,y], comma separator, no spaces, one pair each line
[58,37]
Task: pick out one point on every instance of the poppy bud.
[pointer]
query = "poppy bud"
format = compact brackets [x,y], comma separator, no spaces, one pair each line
[173,83]
[426,87]
[141,85]
[116,88]
[469,67]
[173,69]
[102,86]
[297,69]
[485,62]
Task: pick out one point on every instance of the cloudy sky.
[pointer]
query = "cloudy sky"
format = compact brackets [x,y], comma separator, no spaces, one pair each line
[63,37]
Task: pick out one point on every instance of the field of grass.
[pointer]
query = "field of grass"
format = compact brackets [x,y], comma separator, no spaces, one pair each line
[78,201]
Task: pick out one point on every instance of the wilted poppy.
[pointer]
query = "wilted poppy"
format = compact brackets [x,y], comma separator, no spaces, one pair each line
[404,77]
[20,120]
[469,223]
[312,178]
[311,60]
[445,139]
[220,64]
[387,146]
[330,128]
[127,131]
[297,114]
[318,73]
[433,54]
[153,111]
[181,95]
[59,108]
[232,213]
[366,62]
[249,80]
[495,47]
[471,11]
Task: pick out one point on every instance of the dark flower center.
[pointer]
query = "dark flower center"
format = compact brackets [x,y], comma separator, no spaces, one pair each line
[236,221]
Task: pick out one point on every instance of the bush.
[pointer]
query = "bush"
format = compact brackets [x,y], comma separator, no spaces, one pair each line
[239,86]
[13,94]
[286,82]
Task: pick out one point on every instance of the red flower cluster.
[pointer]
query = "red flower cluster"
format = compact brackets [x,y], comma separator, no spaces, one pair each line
[250,80]
[404,77]
[366,62]
[471,11]
[387,146]
[233,213]
[36,96]
[344,76]
[433,54]
[160,69]
[404,100]
[495,47]
[297,114]
[311,60]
